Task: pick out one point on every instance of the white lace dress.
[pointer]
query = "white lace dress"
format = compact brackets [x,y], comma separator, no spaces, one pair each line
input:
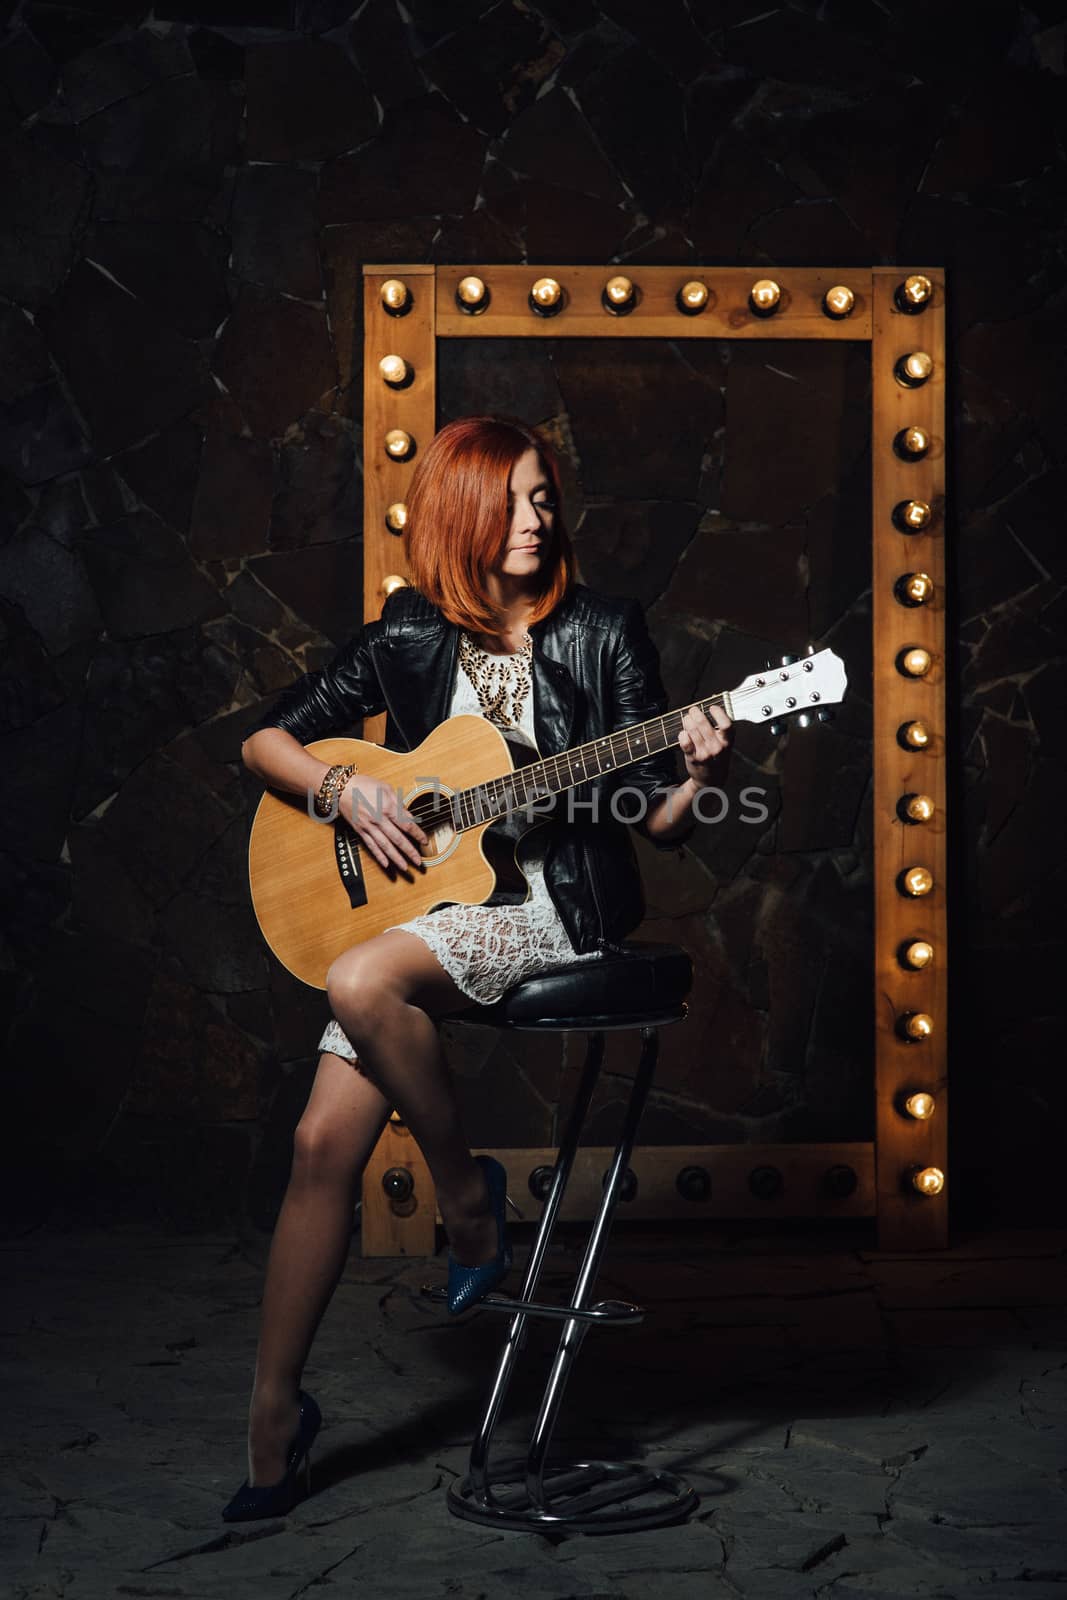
[487,948]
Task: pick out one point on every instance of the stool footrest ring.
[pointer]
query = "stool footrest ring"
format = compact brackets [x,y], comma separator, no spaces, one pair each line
[605,1312]
[587,1496]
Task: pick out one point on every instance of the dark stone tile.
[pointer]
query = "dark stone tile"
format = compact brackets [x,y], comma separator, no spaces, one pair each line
[477,238]
[93,330]
[105,896]
[216,56]
[230,13]
[317,497]
[195,1066]
[178,270]
[1023,635]
[143,578]
[824,779]
[275,359]
[810,233]
[120,69]
[982,249]
[320,584]
[344,250]
[1001,136]
[47,201]
[47,579]
[378,40]
[629,442]
[218,945]
[183,125]
[1014,872]
[738,184]
[1009,755]
[551,142]
[499,1107]
[561,224]
[231,514]
[839,549]
[28,78]
[42,436]
[632,548]
[306,102]
[424,162]
[36,895]
[141,693]
[667,33]
[15,506]
[29,686]
[714,579]
[163,474]
[39,782]
[609,81]
[513,376]
[252,603]
[714,103]
[186,1178]
[1031,514]
[198,194]
[276,258]
[794,48]
[1043,694]
[491,68]
[164,860]
[802,405]
[992,565]
[64,31]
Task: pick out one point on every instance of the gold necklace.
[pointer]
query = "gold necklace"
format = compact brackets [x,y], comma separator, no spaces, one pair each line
[501,692]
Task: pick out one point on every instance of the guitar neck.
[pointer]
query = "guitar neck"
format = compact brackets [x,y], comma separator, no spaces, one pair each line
[485,802]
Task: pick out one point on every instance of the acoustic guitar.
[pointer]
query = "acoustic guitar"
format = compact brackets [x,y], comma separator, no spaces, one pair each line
[316,891]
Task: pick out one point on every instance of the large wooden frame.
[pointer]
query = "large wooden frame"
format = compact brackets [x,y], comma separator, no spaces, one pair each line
[906,1148]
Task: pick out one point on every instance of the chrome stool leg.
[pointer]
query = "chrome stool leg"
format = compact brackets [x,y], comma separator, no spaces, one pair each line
[589,1496]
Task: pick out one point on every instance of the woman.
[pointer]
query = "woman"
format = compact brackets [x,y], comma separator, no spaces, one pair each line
[493,623]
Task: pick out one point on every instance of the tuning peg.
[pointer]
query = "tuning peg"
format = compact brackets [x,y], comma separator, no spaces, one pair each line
[811,649]
[788,661]
[777,729]
[825,714]
[804,719]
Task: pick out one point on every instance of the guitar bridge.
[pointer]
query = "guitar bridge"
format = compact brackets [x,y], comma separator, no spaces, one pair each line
[349,864]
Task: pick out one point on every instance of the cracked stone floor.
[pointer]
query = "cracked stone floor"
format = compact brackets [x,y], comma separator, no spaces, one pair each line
[856,1422]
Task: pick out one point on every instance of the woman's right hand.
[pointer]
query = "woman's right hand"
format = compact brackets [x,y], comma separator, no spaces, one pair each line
[386,827]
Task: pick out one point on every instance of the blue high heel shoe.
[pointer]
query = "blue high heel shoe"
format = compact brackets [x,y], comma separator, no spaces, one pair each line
[468,1285]
[278,1499]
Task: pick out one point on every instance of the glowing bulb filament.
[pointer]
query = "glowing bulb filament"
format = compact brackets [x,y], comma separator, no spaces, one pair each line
[916,1026]
[471,291]
[546,295]
[396,517]
[398,444]
[918,881]
[928,1180]
[920,1106]
[916,662]
[693,296]
[765,297]
[396,296]
[619,290]
[394,369]
[920,807]
[914,292]
[393,582]
[838,301]
[919,954]
[916,735]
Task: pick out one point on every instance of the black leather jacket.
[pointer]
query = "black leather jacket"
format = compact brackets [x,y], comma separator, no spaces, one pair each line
[594,670]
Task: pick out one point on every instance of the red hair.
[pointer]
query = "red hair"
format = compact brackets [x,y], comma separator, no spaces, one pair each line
[458,520]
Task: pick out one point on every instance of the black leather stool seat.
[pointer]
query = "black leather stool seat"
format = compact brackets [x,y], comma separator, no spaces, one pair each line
[634,983]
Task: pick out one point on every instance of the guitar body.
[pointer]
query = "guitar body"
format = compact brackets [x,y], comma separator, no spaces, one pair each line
[317,890]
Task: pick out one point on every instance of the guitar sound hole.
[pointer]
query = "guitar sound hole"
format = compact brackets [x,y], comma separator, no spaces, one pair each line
[440,832]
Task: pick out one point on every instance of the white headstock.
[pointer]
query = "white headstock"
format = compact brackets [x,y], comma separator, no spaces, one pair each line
[806,684]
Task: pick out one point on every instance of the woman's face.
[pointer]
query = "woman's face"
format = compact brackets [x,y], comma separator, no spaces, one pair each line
[531,509]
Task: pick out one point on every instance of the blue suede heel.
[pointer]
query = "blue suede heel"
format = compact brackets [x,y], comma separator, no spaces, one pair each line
[468,1285]
[278,1499]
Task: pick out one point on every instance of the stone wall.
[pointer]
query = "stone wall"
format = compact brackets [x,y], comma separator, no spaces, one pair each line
[191,192]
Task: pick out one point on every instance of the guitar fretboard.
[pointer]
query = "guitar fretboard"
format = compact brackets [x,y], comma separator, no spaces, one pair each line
[485,802]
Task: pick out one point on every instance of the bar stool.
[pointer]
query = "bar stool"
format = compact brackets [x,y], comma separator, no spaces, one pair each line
[641,986]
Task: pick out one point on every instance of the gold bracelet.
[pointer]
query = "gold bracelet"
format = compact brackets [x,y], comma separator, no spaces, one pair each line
[330,789]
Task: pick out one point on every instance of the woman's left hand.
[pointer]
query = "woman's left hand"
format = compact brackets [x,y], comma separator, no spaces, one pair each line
[702,738]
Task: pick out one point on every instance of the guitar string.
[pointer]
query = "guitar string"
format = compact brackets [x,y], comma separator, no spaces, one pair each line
[458,804]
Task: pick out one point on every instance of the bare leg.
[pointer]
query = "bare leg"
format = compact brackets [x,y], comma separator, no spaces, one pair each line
[384,994]
[344,1117]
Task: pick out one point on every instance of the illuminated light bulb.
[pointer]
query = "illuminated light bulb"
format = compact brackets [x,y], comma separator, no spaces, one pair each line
[915,662]
[915,1026]
[692,298]
[918,954]
[394,370]
[911,444]
[914,589]
[912,516]
[399,444]
[913,370]
[921,1106]
[838,302]
[392,583]
[917,881]
[915,735]
[919,807]
[928,1180]
[914,294]
[618,296]
[396,297]
[765,297]
[396,517]
[546,297]
[472,295]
